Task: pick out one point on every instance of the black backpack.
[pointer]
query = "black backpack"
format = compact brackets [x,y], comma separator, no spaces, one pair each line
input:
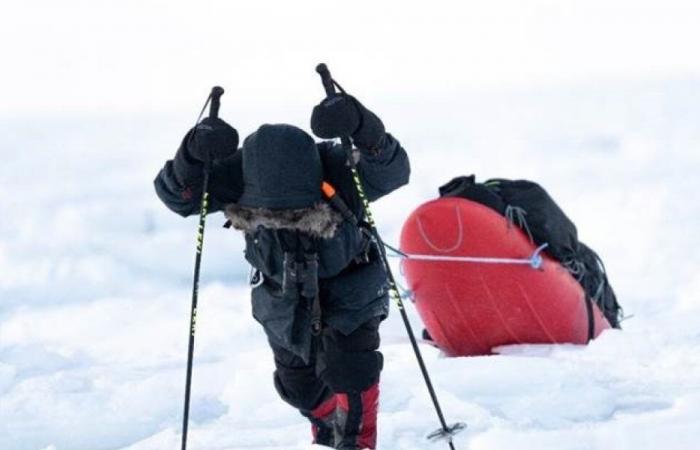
[527,205]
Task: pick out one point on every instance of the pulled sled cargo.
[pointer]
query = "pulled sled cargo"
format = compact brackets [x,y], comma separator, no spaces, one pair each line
[499,263]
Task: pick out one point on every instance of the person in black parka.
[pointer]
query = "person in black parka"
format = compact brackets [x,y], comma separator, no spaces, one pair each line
[319,288]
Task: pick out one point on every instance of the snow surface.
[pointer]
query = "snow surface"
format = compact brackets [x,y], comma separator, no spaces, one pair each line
[95,282]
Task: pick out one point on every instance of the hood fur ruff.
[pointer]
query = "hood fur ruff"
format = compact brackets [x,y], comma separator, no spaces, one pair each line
[318,221]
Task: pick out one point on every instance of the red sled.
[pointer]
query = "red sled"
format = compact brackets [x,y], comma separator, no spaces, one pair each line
[469,308]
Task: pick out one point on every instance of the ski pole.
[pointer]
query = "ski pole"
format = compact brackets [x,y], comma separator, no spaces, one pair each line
[445,432]
[214,102]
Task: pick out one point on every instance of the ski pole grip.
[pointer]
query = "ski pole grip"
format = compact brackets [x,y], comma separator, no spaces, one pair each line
[329,86]
[326,79]
[216,93]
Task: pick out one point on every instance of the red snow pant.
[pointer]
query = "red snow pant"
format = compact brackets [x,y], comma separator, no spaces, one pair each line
[338,390]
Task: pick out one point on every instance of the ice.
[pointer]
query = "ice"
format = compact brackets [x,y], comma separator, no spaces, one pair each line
[95,287]
[96,301]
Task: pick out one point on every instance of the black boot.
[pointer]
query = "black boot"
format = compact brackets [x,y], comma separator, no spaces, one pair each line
[356,419]
[322,418]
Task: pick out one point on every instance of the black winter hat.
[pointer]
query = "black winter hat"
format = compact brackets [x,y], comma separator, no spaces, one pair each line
[281,169]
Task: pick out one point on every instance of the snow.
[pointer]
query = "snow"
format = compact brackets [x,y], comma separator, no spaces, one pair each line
[95,274]
[95,288]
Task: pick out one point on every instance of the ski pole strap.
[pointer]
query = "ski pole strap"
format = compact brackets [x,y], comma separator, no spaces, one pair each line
[329,85]
[535,260]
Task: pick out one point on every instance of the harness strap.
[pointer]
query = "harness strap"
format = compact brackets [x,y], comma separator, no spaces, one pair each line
[337,203]
[316,317]
[306,266]
[332,197]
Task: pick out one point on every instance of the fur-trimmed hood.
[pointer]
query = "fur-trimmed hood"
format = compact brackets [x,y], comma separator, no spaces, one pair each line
[318,221]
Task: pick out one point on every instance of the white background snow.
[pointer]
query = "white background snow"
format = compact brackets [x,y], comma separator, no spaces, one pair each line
[597,100]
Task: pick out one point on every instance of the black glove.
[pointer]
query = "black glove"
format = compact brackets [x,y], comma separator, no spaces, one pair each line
[342,115]
[211,138]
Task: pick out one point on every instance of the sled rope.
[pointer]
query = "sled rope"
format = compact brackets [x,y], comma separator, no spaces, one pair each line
[535,260]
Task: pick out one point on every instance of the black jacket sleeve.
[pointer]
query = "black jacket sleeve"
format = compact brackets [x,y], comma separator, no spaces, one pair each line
[179,183]
[385,169]
[380,171]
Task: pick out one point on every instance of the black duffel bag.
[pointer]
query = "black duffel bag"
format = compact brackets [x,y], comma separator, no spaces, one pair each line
[527,205]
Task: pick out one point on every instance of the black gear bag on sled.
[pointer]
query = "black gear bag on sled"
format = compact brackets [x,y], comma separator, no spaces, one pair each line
[527,205]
